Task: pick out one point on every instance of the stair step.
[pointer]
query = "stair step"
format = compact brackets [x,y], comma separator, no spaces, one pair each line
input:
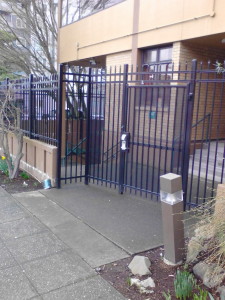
[204,168]
[210,160]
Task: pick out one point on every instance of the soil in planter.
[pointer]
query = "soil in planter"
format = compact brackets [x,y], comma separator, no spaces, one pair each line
[118,274]
[19,184]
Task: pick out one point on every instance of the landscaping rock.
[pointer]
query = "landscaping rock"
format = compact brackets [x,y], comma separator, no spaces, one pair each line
[194,248]
[145,291]
[135,281]
[141,285]
[221,291]
[140,265]
[148,283]
[211,275]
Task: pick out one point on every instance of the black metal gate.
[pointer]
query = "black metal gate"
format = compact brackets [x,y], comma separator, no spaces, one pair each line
[157,130]
[140,138]
[124,129]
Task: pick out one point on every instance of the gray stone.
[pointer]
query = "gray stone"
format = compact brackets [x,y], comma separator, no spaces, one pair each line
[56,271]
[143,285]
[221,291]
[35,246]
[148,283]
[135,281]
[194,248]
[91,289]
[15,285]
[211,275]
[140,265]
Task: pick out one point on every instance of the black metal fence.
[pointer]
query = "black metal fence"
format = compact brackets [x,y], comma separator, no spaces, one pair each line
[140,125]
[123,128]
[37,99]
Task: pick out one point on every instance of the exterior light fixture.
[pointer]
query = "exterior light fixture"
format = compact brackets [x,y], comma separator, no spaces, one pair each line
[92,62]
[171,195]
[223,41]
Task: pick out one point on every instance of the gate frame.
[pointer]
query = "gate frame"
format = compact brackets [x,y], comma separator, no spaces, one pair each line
[191,77]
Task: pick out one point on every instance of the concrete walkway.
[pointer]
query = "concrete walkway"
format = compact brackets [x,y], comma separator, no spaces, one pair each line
[51,241]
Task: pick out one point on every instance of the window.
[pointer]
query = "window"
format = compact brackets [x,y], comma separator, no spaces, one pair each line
[157,63]
[158,59]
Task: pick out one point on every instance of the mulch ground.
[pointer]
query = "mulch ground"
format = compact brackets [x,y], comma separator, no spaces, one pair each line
[19,184]
[118,274]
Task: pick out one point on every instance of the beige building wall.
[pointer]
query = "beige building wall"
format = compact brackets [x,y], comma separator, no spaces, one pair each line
[137,24]
[117,36]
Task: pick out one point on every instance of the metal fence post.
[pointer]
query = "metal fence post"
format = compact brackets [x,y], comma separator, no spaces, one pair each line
[31,108]
[123,129]
[59,125]
[189,117]
[87,156]
[7,83]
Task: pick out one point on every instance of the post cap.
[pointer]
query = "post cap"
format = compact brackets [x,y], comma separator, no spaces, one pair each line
[170,183]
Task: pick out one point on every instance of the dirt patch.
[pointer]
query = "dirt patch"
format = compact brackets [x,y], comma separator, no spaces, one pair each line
[118,274]
[19,184]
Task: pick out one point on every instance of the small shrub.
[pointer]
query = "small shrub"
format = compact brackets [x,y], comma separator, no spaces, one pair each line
[209,230]
[184,284]
[24,175]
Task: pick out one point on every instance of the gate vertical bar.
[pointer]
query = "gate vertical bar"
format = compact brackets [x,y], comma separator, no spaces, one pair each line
[59,125]
[31,108]
[88,128]
[189,117]
[123,127]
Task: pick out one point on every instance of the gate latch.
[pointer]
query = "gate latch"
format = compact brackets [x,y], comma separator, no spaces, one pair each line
[125,140]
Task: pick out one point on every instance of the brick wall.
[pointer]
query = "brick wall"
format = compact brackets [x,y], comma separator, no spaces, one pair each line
[119,59]
[209,98]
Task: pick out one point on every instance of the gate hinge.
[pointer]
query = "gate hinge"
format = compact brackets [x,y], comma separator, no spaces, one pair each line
[190,96]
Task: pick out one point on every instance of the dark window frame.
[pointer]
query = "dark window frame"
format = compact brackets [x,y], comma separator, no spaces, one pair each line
[155,75]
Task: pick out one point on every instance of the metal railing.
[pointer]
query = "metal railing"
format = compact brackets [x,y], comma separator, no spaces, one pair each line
[37,99]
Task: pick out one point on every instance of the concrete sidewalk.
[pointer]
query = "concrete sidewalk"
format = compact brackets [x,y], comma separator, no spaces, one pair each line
[51,241]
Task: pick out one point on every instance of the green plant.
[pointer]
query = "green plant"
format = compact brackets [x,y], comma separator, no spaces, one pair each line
[167,295]
[210,296]
[128,281]
[219,67]
[24,175]
[184,284]
[203,295]
[3,165]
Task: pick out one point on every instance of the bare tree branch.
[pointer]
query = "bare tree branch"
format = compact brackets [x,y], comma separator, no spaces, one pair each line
[10,117]
[32,46]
